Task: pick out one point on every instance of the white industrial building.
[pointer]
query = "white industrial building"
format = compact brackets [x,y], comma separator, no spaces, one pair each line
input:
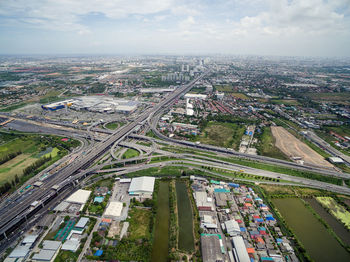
[336,160]
[101,104]
[232,227]
[239,249]
[196,96]
[114,209]
[141,186]
[79,197]
[71,245]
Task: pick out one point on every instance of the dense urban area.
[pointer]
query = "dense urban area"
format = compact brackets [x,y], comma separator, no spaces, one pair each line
[174,158]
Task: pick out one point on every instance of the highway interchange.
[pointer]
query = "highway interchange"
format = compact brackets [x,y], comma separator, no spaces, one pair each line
[16,212]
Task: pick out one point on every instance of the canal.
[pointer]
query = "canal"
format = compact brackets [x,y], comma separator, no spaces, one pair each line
[161,235]
[337,226]
[186,240]
[318,242]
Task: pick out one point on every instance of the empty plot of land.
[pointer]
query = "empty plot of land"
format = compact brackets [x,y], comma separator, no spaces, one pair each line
[293,147]
[15,166]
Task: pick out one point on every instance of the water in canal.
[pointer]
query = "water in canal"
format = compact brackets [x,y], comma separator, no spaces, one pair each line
[337,226]
[186,240]
[161,235]
[318,242]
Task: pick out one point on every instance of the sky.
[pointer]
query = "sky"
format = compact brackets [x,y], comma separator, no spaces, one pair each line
[237,27]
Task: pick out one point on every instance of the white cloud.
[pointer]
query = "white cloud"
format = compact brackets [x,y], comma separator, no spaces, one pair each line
[65,15]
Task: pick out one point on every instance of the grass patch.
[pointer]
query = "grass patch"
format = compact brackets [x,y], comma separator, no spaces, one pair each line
[114,125]
[335,209]
[291,102]
[222,134]
[283,170]
[130,153]
[139,223]
[66,256]
[266,145]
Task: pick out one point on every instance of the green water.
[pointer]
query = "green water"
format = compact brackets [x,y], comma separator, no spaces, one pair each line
[161,236]
[318,242]
[186,241]
[337,226]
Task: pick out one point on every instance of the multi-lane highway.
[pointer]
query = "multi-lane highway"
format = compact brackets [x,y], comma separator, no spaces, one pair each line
[14,214]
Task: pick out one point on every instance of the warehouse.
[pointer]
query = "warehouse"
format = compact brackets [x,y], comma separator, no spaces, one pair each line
[114,209]
[240,251]
[211,247]
[71,245]
[195,96]
[232,227]
[79,197]
[142,186]
[203,202]
[101,104]
[44,255]
[82,222]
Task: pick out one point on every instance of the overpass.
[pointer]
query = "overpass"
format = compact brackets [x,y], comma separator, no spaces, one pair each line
[16,214]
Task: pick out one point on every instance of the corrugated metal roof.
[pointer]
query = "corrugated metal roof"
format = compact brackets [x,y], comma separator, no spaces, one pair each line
[142,184]
[30,239]
[114,209]
[82,222]
[44,255]
[20,251]
[80,196]
[240,248]
[51,244]
[71,245]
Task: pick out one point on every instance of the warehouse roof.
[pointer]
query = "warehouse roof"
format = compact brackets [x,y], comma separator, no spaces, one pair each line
[20,251]
[71,245]
[211,250]
[29,239]
[114,209]
[241,253]
[144,184]
[61,206]
[44,255]
[51,245]
[79,197]
[82,222]
[232,227]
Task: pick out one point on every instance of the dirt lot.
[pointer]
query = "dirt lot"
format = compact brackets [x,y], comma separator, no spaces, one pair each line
[293,147]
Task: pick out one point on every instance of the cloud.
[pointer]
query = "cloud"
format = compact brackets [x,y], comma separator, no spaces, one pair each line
[65,15]
[214,26]
[295,17]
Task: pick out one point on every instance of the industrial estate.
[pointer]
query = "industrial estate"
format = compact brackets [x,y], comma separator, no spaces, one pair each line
[174,158]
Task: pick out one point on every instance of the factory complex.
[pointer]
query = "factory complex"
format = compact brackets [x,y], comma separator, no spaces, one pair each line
[101,104]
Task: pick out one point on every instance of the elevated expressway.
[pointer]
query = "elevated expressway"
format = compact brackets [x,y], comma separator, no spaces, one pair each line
[18,213]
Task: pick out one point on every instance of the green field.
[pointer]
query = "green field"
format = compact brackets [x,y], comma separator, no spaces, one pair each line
[240,95]
[139,223]
[28,150]
[15,167]
[67,256]
[341,98]
[114,125]
[222,134]
[289,102]
[130,153]
[266,145]
[336,210]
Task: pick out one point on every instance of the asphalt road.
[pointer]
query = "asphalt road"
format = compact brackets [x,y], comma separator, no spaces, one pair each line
[13,216]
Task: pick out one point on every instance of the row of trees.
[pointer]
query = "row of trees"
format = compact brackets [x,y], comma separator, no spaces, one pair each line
[9,156]
[28,170]
[8,185]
